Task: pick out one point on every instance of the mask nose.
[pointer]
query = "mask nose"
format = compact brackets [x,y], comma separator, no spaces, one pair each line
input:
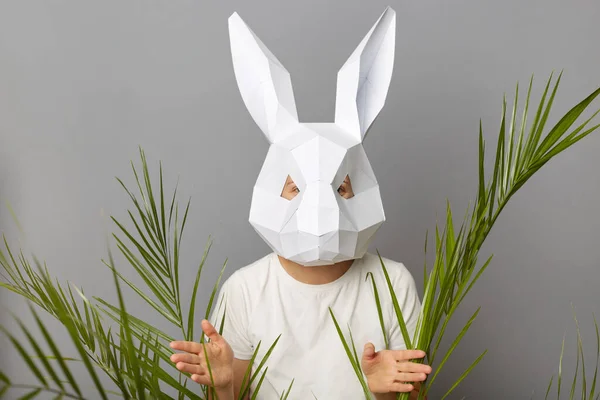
[318,213]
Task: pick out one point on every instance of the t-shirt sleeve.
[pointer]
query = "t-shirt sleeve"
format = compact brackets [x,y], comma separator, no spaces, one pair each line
[231,312]
[410,305]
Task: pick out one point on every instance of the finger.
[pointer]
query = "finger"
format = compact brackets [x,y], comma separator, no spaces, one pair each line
[369,351]
[407,366]
[190,368]
[403,355]
[210,331]
[410,377]
[401,387]
[186,358]
[190,347]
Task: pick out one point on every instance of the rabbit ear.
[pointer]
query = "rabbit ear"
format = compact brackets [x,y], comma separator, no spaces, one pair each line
[264,83]
[364,79]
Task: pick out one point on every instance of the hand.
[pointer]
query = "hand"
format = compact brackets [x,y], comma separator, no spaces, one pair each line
[388,370]
[193,361]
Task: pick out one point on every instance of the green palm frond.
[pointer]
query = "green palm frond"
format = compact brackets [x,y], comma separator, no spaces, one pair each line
[520,153]
[137,356]
[51,370]
[579,375]
[246,386]
[286,394]
[352,356]
[518,157]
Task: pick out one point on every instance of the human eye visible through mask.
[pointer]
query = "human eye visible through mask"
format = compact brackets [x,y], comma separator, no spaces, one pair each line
[345,189]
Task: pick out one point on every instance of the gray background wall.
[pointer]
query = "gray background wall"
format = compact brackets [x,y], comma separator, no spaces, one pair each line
[83,83]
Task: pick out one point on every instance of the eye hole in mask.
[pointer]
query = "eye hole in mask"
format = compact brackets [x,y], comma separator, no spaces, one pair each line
[290,189]
[345,189]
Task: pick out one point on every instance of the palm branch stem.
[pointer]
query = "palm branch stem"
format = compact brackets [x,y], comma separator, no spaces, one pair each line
[47,389]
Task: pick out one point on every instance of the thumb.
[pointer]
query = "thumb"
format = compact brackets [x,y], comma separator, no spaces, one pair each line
[210,331]
[369,351]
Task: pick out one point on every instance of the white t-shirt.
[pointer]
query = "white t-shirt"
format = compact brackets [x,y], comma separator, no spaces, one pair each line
[263,301]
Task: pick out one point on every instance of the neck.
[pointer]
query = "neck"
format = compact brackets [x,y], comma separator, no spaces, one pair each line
[318,275]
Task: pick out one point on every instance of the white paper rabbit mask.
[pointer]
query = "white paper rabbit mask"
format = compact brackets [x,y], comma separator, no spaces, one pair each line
[318,226]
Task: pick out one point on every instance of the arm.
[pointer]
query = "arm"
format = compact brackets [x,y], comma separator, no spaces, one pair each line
[223,394]
[232,392]
[233,307]
[239,371]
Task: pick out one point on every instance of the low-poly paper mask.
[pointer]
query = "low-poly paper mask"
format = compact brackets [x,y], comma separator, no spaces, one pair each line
[318,226]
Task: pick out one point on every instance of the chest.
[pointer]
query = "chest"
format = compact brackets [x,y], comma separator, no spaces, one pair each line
[309,348]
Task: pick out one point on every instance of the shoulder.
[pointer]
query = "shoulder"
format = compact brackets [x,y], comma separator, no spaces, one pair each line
[398,273]
[244,288]
[252,277]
